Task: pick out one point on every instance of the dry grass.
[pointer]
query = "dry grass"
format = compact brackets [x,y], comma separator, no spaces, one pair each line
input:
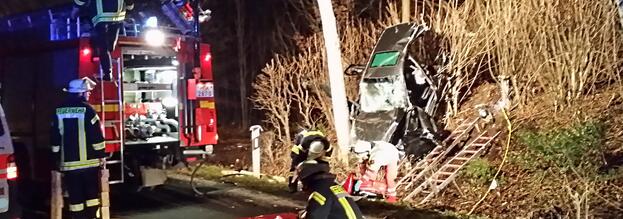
[561,56]
[563,61]
[560,49]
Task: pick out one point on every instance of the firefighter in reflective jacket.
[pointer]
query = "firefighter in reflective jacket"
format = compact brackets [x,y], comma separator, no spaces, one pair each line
[107,18]
[308,145]
[327,199]
[78,146]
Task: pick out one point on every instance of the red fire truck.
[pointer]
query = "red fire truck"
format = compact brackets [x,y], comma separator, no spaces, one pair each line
[158,110]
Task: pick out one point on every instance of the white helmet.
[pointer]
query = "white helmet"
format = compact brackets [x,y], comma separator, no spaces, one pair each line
[362,147]
[80,85]
[316,150]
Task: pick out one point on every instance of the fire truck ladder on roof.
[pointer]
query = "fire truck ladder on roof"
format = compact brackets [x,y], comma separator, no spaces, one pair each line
[430,163]
[56,24]
[440,179]
[63,27]
[114,124]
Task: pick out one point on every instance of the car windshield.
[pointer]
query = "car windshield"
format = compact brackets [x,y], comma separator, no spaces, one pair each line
[382,94]
[385,59]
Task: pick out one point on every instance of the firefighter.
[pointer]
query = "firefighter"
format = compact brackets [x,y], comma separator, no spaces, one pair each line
[107,18]
[78,146]
[327,199]
[373,156]
[308,145]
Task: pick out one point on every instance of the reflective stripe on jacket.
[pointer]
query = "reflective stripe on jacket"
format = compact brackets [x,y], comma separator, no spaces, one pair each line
[105,10]
[329,200]
[76,136]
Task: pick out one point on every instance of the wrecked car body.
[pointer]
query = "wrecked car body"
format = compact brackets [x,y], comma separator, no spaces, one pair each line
[398,98]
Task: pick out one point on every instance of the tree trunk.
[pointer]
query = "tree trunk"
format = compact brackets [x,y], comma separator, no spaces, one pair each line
[406,10]
[336,78]
[242,67]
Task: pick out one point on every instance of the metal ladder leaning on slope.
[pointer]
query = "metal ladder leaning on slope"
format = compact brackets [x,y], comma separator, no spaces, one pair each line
[449,170]
[429,164]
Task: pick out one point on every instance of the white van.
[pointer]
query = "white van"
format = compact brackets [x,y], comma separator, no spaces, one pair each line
[8,169]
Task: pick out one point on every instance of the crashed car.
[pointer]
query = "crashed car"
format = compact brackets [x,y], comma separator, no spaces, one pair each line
[398,97]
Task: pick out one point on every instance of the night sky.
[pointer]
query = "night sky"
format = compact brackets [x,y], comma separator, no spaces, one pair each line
[8,7]
[261,19]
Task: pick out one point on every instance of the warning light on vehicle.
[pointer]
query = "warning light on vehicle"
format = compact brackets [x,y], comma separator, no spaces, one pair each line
[151,22]
[86,51]
[154,37]
[11,171]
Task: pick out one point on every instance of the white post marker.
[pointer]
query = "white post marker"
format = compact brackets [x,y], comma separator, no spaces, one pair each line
[336,77]
[255,149]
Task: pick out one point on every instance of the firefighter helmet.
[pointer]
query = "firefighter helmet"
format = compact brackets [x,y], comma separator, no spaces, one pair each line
[362,150]
[80,85]
[312,145]
[316,145]
[311,170]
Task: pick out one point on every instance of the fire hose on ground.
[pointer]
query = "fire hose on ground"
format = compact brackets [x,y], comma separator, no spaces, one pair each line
[255,158]
[508,141]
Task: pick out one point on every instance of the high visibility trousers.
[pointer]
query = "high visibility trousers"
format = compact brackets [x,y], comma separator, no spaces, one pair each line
[84,190]
[388,188]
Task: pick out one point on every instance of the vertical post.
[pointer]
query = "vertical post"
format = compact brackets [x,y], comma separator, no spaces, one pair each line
[56,204]
[189,109]
[336,77]
[104,195]
[68,28]
[242,64]
[406,10]
[255,149]
[78,34]
[505,90]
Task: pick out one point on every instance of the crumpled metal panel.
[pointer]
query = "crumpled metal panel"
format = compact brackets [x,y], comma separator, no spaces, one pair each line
[375,126]
[394,38]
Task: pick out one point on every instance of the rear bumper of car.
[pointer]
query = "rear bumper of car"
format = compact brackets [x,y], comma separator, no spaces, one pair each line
[14,208]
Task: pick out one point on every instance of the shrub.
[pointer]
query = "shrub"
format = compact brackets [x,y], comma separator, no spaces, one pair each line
[564,148]
[479,171]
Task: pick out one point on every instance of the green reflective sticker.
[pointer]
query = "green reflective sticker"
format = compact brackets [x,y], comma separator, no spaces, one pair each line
[71,110]
[385,59]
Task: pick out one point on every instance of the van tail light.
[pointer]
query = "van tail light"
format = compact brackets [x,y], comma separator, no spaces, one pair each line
[11,170]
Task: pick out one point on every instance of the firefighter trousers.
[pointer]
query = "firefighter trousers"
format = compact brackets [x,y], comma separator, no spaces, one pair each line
[104,40]
[387,188]
[83,187]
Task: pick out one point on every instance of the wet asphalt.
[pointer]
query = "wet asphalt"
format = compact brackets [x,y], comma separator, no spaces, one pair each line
[177,200]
